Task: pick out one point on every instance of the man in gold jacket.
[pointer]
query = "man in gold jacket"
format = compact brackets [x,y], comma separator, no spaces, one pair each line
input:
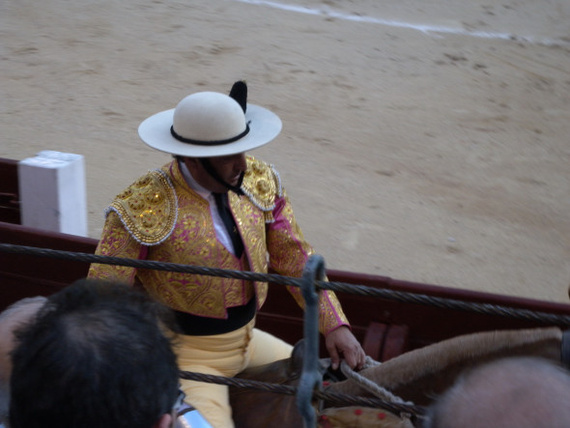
[215,206]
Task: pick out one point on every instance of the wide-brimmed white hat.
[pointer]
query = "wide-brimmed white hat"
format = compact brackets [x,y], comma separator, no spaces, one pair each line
[210,124]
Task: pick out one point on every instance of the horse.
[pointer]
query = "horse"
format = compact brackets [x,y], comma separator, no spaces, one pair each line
[415,378]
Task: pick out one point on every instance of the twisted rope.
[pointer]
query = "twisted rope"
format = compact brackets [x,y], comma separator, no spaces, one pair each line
[396,405]
[374,388]
[394,295]
[335,398]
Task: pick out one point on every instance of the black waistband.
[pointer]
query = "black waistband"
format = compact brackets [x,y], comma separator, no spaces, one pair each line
[194,325]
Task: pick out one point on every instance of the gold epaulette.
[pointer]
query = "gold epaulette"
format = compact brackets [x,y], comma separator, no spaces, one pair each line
[262,184]
[148,208]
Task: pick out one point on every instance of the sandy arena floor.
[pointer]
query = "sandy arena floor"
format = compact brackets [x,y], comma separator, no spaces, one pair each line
[423,140]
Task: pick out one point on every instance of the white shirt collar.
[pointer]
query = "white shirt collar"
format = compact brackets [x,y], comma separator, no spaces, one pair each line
[221,231]
[201,190]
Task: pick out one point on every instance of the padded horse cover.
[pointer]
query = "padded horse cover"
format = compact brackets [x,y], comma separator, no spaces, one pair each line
[422,374]
[418,376]
[261,409]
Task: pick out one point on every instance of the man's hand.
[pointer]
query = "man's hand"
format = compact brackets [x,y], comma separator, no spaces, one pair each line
[341,343]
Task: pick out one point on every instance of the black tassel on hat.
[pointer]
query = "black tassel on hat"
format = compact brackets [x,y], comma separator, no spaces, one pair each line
[239,93]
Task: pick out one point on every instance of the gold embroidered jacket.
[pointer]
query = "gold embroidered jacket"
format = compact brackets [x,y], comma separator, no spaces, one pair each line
[159,217]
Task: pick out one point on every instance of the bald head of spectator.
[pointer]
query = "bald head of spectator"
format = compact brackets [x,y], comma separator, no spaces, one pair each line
[520,392]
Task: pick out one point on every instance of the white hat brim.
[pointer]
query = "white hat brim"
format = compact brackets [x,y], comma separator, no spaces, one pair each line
[264,126]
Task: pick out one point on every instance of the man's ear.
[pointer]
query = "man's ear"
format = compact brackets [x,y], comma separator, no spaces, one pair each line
[165,421]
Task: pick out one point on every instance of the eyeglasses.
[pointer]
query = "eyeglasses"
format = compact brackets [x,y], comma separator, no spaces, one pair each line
[179,404]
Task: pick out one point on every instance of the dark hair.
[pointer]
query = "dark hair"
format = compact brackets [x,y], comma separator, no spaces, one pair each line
[97,355]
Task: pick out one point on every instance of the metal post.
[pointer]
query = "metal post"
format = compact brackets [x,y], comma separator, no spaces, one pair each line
[310,377]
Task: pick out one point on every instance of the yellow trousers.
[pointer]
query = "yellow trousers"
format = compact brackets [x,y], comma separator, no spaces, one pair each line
[224,355]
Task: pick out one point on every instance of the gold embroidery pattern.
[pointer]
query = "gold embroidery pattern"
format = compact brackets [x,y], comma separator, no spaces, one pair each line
[262,184]
[251,225]
[148,208]
[115,241]
[193,241]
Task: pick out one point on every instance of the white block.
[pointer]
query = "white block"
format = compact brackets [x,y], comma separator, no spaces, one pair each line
[53,192]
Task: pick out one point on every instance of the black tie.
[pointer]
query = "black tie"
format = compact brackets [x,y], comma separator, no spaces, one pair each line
[228,219]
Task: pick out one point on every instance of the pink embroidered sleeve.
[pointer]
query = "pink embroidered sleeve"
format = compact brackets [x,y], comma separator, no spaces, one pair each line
[288,253]
[116,241]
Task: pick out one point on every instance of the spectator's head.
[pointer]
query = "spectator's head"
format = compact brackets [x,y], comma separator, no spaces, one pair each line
[11,318]
[520,392]
[97,355]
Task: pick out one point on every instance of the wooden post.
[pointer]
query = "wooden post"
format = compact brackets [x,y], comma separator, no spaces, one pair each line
[53,192]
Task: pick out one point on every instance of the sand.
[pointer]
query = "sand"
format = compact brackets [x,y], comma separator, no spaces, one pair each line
[423,140]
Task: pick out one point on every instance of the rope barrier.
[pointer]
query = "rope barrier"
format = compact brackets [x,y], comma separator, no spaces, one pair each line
[445,303]
[333,398]
[373,387]
[394,295]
